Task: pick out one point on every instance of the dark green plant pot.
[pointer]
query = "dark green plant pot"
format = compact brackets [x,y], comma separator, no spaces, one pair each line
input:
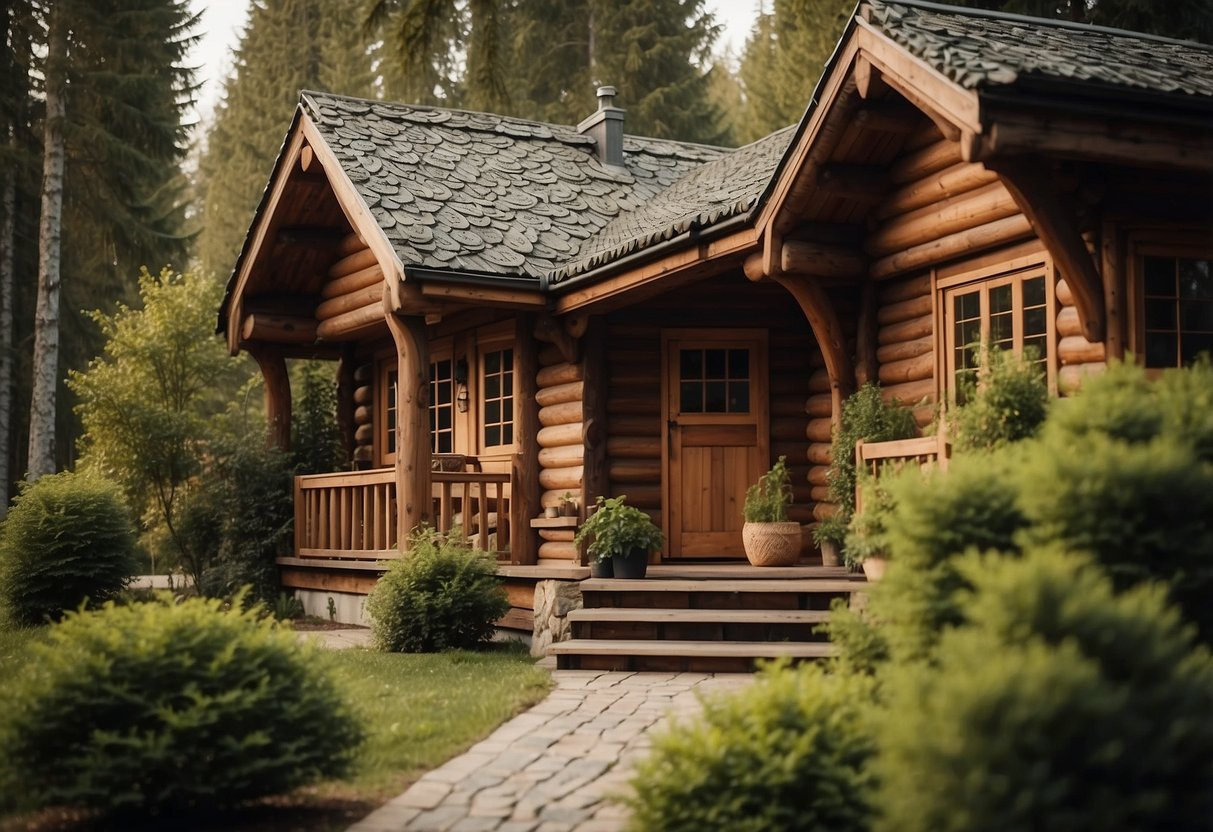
[632,565]
[602,568]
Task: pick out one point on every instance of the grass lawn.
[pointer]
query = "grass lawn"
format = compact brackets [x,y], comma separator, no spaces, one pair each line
[419,711]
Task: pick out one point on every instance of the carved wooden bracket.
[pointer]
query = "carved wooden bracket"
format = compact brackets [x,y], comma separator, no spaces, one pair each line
[548,330]
[272,364]
[1054,218]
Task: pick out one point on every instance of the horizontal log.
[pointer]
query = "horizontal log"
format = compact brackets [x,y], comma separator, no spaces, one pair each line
[351,321]
[558,550]
[819,474]
[623,472]
[820,405]
[910,369]
[565,535]
[819,453]
[953,245]
[564,456]
[819,494]
[925,162]
[364,434]
[819,382]
[573,391]
[790,404]
[340,304]
[363,373]
[904,310]
[355,262]
[901,350]
[350,243]
[561,373]
[949,182]
[818,260]
[925,414]
[642,496]
[819,430]
[795,451]
[1065,295]
[554,479]
[1075,349]
[960,213]
[1071,377]
[364,415]
[635,426]
[278,329]
[565,413]
[364,394]
[633,447]
[1068,322]
[896,291]
[824,511]
[802,513]
[550,355]
[787,430]
[633,405]
[369,276]
[363,453]
[910,330]
[910,393]
[558,436]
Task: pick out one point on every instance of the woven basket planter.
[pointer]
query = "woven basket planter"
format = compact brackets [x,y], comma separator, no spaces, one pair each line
[771,544]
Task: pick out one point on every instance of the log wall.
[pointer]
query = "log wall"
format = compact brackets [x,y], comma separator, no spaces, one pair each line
[351,299]
[364,415]
[905,344]
[559,394]
[1076,356]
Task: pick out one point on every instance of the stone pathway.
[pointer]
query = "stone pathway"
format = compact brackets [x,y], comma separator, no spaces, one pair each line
[553,768]
[342,639]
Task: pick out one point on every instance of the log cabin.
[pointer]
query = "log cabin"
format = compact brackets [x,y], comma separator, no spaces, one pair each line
[522,312]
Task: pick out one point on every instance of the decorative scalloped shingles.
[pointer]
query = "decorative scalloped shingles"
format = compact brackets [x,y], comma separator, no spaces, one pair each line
[978,50]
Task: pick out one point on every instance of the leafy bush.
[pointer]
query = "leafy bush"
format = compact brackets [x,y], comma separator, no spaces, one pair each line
[1007,403]
[68,538]
[791,752]
[615,528]
[866,416]
[316,443]
[162,706]
[1059,705]
[440,595]
[767,501]
[867,531]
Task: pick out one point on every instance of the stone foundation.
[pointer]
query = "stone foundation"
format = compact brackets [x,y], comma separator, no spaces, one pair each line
[553,601]
[347,608]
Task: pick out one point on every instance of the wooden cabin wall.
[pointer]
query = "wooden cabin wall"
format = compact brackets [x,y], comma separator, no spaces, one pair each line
[559,394]
[905,344]
[364,415]
[634,381]
[1076,356]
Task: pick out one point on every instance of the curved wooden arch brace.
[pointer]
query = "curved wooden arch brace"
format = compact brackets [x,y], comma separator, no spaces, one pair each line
[414,497]
[1056,224]
[272,364]
[827,329]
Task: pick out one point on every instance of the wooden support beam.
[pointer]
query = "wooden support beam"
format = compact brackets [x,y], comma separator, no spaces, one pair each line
[477,294]
[1055,222]
[863,183]
[277,395]
[865,339]
[805,258]
[548,330]
[525,490]
[886,118]
[278,329]
[414,498]
[827,329]
[867,80]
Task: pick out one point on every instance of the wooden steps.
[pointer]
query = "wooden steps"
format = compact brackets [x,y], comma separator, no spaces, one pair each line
[703,617]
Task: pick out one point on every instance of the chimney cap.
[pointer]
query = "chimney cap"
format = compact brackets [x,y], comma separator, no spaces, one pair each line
[606,97]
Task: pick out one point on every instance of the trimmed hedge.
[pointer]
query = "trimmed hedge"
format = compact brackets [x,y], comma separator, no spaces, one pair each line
[67,539]
[162,706]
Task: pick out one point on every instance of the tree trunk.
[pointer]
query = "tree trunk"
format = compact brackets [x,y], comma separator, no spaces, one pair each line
[8,207]
[46,314]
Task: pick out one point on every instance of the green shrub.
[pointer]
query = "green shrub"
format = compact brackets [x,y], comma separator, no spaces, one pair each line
[68,538]
[316,443]
[440,595]
[791,752]
[1144,510]
[617,529]
[163,706]
[767,500]
[867,532]
[1058,706]
[1007,403]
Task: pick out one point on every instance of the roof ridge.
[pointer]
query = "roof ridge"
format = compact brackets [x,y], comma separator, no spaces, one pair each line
[1056,23]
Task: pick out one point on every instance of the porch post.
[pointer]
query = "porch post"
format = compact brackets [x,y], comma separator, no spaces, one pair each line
[414,497]
[827,329]
[525,504]
[277,395]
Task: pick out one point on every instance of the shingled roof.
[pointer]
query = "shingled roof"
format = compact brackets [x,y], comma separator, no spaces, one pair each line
[979,49]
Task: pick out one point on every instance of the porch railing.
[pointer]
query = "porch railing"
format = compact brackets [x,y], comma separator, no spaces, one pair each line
[878,458]
[353,515]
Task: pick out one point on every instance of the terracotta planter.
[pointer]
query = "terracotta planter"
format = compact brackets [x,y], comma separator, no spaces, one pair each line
[632,565]
[874,567]
[830,555]
[602,568]
[771,544]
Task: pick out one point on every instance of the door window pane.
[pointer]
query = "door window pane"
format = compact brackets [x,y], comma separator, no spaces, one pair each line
[497,396]
[1178,309]
[442,433]
[714,380]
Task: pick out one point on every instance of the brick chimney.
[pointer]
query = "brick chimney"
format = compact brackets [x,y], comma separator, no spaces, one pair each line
[605,127]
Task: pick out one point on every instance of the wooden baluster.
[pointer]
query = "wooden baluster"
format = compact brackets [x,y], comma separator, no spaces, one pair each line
[483,504]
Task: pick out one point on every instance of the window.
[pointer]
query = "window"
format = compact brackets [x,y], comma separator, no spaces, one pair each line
[497,397]
[1009,310]
[1178,310]
[389,378]
[714,380]
[442,406]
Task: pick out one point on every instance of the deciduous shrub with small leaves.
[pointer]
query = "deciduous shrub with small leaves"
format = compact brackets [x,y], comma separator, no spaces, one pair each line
[68,538]
[440,595]
[164,706]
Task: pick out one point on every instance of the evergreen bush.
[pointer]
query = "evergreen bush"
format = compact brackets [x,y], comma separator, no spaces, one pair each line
[1060,705]
[161,707]
[1008,402]
[440,595]
[767,500]
[68,538]
[791,752]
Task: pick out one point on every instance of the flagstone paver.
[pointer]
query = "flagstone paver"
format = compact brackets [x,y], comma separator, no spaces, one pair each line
[556,767]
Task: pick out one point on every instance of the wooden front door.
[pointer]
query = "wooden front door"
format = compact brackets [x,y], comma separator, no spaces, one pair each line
[716,436]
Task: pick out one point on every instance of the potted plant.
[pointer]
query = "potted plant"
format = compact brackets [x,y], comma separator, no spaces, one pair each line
[568,506]
[770,539]
[622,534]
[866,545]
[829,535]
